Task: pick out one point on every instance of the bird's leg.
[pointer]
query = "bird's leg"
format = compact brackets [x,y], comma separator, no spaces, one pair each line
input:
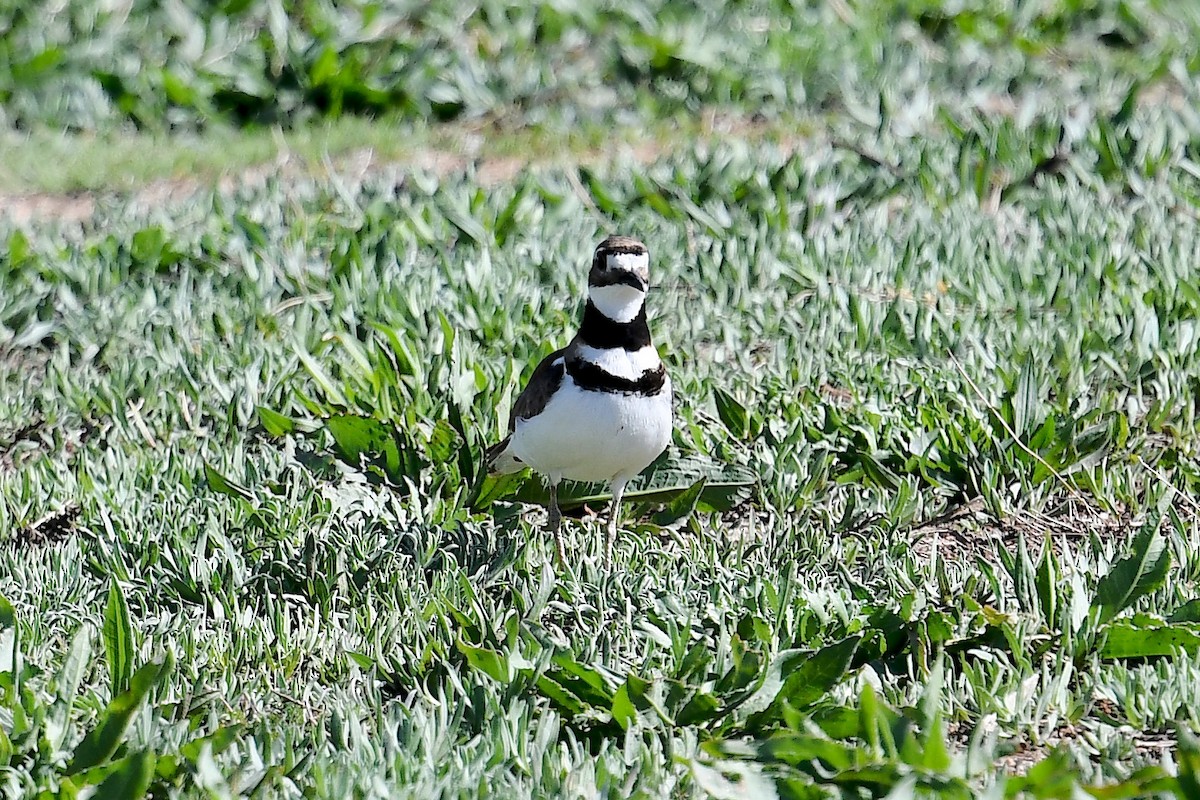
[614,515]
[554,523]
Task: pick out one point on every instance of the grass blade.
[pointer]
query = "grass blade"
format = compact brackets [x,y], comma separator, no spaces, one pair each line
[66,685]
[103,740]
[118,638]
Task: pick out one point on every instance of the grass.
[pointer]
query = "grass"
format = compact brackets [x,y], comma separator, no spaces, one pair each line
[123,160]
[245,548]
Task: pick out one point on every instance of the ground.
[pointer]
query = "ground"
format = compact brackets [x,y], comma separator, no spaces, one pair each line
[924,277]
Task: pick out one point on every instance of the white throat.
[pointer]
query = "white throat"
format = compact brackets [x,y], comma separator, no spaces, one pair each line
[617,301]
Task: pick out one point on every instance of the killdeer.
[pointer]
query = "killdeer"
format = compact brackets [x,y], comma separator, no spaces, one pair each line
[598,410]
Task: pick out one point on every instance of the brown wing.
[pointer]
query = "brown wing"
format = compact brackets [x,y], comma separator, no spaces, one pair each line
[546,378]
[544,382]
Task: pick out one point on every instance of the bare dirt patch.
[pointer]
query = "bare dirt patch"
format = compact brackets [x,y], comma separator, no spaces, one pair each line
[50,529]
[77,207]
[463,148]
[969,532]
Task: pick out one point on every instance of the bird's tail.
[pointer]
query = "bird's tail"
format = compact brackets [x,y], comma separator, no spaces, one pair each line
[501,460]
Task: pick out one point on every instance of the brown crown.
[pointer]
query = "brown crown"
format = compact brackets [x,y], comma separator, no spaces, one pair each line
[620,244]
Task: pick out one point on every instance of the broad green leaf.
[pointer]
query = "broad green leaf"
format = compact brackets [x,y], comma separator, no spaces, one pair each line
[732,413]
[695,662]
[1188,612]
[560,696]
[355,436]
[930,705]
[129,778]
[443,442]
[631,697]
[798,678]
[1136,575]
[876,722]
[702,709]
[1126,640]
[725,485]
[222,485]
[102,741]
[653,195]
[818,674]
[933,752]
[274,423]
[358,439]
[783,664]
[493,487]
[603,195]
[8,615]
[253,231]
[587,683]
[624,711]
[507,220]
[490,662]
[147,246]
[18,249]
[364,661]
[1050,777]
[747,667]
[324,67]
[792,748]
[680,507]
[877,473]
[177,89]
[217,742]
[118,638]
[1047,581]
[838,722]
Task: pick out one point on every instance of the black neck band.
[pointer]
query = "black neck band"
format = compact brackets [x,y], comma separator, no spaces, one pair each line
[602,332]
[593,377]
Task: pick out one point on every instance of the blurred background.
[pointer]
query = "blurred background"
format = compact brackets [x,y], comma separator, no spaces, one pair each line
[114,94]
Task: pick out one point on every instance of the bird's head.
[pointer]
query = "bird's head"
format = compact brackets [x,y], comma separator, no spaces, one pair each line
[619,278]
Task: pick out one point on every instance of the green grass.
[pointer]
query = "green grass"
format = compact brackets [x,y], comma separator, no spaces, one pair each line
[950,329]
[122,160]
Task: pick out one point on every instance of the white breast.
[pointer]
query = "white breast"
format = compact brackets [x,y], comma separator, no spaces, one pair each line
[595,436]
[619,361]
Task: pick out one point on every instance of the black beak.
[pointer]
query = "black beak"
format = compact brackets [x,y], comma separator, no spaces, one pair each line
[629,279]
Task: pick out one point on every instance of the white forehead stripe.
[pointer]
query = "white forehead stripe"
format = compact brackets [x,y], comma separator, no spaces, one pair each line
[630,262]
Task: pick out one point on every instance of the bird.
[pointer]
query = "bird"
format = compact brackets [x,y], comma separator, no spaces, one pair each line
[599,409]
